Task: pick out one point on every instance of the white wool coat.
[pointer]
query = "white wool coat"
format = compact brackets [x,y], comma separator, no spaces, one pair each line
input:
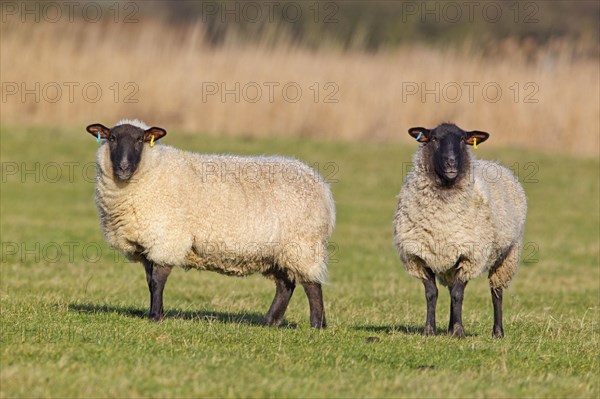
[230,214]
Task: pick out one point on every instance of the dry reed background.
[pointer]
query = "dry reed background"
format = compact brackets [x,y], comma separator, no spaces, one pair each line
[170,66]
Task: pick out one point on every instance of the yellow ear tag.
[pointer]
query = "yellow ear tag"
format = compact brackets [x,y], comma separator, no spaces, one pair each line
[152,141]
[474,142]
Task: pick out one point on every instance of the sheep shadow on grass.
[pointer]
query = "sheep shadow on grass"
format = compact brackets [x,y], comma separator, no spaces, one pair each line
[404,330]
[255,319]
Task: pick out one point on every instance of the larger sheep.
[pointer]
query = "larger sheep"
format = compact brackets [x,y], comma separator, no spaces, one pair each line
[456,218]
[234,215]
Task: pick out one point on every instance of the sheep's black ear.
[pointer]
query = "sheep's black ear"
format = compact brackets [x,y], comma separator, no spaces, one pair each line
[156,132]
[476,134]
[419,133]
[96,128]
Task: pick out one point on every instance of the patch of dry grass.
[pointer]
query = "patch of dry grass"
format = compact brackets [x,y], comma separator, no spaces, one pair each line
[169,72]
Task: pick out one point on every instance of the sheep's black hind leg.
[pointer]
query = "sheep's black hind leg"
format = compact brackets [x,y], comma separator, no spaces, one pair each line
[315,302]
[431,294]
[456,300]
[284,288]
[451,322]
[498,331]
[157,278]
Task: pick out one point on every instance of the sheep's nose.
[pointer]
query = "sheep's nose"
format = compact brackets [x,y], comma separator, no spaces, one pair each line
[124,165]
[450,161]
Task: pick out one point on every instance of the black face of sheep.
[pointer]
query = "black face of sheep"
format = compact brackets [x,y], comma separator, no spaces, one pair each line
[126,143]
[446,151]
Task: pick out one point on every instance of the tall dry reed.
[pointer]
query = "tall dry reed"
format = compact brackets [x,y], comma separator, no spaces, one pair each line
[168,76]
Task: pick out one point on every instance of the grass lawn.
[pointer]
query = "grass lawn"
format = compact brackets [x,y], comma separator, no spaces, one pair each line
[73,311]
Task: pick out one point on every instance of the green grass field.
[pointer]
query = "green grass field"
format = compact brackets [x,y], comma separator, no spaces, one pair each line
[73,320]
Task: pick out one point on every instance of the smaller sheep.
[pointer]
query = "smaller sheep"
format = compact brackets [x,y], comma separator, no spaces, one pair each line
[234,215]
[456,218]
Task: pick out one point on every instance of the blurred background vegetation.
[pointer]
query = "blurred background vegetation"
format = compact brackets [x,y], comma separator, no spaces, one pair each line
[387,65]
[382,25]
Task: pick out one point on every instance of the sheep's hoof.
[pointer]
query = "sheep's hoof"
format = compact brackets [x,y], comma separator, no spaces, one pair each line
[429,331]
[318,325]
[271,323]
[155,318]
[457,331]
[498,332]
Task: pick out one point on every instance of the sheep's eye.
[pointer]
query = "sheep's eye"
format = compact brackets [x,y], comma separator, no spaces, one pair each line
[433,139]
[140,140]
[111,138]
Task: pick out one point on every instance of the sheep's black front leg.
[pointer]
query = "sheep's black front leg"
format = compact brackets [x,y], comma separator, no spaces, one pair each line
[498,331]
[284,288]
[451,322]
[148,268]
[457,292]
[315,303]
[431,294]
[156,277]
